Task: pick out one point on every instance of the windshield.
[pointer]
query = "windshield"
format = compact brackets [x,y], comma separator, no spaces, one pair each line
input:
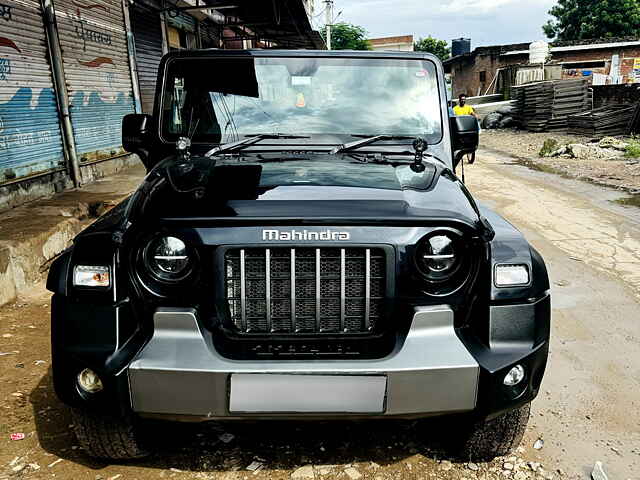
[219,100]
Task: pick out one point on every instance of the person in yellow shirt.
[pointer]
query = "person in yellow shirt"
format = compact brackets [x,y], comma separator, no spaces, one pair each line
[463,109]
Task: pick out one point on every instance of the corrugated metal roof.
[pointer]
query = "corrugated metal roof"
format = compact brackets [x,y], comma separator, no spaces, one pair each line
[574,48]
[30,140]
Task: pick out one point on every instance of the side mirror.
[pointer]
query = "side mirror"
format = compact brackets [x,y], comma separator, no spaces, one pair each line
[465,136]
[136,135]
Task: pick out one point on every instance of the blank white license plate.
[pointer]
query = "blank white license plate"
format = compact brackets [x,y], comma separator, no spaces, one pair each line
[265,393]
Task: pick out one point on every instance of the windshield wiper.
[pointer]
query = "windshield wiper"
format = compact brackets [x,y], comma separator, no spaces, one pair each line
[240,144]
[367,141]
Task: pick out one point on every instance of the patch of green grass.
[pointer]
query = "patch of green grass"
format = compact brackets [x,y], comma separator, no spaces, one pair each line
[633,200]
[540,167]
[633,149]
[549,146]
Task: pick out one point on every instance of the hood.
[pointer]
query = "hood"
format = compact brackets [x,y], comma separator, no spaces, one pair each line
[445,201]
[235,192]
[314,188]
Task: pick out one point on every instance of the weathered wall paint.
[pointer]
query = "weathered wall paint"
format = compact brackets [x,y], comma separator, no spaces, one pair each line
[30,140]
[96,63]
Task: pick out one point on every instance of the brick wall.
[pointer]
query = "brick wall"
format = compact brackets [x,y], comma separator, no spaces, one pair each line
[467,77]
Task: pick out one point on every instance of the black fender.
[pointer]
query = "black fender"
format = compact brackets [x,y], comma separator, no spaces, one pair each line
[93,329]
[513,326]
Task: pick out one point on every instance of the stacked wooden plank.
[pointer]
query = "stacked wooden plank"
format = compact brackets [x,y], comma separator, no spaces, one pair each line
[634,126]
[544,106]
[538,102]
[518,94]
[569,97]
[610,120]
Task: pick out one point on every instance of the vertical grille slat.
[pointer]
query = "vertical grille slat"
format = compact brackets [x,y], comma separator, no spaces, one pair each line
[318,290]
[243,291]
[305,290]
[343,273]
[367,288]
[294,323]
[267,277]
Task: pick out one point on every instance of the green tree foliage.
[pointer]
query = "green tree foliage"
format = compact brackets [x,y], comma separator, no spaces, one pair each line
[582,19]
[440,48]
[345,36]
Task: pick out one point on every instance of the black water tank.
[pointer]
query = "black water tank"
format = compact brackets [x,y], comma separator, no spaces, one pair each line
[460,46]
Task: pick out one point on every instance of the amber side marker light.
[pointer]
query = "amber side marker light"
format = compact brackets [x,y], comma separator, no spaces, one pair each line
[91,276]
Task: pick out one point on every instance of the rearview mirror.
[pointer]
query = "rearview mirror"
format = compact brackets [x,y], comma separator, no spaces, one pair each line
[136,130]
[465,136]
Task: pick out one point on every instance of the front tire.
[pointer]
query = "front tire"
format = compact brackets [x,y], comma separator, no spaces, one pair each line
[107,436]
[497,437]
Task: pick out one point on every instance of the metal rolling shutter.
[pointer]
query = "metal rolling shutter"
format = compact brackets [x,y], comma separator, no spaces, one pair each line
[30,140]
[147,33]
[94,50]
[209,35]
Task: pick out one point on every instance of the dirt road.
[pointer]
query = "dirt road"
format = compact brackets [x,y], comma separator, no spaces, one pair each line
[588,410]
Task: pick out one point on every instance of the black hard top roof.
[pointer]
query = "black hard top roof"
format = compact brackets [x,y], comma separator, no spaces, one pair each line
[214,52]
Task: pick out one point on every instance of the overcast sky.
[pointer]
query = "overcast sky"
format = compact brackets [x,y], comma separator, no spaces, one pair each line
[486,22]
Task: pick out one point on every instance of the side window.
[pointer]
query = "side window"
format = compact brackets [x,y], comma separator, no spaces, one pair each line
[173,105]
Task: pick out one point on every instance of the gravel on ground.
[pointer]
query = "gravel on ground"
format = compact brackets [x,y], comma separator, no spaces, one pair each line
[623,174]
[47,448]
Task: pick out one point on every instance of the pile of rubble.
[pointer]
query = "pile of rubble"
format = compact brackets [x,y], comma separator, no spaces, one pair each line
[609,148]
[501,118]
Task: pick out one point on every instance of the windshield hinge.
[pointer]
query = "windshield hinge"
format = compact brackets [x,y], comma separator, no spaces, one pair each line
[419,145]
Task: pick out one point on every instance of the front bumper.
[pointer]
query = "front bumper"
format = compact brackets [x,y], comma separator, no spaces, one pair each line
[179,373]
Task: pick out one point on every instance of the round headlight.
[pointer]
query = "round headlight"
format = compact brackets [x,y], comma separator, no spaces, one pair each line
[438,257]
[168,259]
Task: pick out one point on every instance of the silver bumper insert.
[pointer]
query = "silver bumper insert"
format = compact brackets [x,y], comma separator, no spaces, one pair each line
[266,393]
[179,372]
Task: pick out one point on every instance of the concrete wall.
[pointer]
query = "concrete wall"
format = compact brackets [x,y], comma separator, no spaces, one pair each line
[26,190]
[22,191]
[402,43]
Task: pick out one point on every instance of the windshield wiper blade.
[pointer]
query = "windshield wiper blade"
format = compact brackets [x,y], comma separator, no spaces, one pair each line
[240,144]
[367,141]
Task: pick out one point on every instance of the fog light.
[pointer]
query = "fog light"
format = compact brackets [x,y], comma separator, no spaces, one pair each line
[89,381]
[514,377]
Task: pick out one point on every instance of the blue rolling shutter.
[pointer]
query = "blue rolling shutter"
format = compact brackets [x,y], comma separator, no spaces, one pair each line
[94,49]
[30,139]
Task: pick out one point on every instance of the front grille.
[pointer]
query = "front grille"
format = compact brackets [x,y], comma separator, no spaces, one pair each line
[305,290]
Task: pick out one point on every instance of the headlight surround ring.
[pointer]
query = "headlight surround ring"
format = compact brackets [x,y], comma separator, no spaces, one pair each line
[439,256]
[168,259]
[448,264]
